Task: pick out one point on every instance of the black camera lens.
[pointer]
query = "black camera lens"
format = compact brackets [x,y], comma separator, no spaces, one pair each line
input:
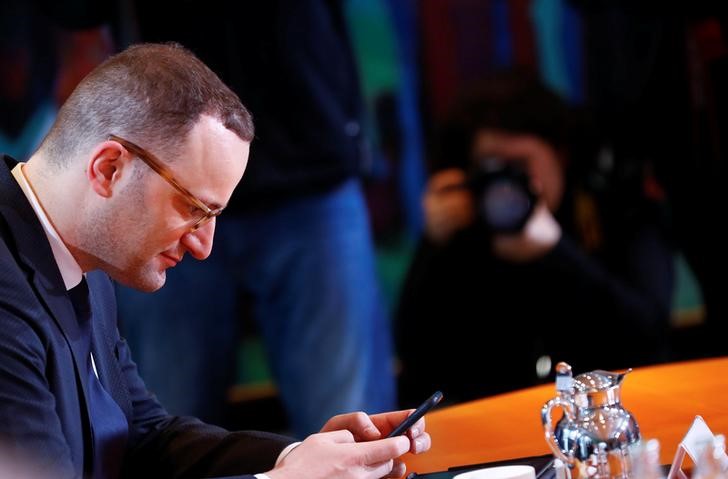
[502,194]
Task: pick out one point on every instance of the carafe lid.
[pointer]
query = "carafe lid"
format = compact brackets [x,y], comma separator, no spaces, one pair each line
[598,380]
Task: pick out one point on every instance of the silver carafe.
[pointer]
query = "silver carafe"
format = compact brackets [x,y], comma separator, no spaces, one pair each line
[596,434]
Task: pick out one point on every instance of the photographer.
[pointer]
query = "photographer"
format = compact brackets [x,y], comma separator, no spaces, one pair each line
[521,254]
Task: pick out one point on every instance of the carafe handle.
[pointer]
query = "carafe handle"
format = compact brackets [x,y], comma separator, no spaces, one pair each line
[548,428]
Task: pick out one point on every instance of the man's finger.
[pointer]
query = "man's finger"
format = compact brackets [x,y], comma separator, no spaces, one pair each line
[341,436]
[358,423]
[381,450]
[398,469]
[389,420]
[380,470]
[421,443]
[417,428]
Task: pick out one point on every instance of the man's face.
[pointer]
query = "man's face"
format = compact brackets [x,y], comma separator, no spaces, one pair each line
[147,228]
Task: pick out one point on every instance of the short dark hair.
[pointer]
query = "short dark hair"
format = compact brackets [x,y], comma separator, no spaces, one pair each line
[514,101]
[151,94]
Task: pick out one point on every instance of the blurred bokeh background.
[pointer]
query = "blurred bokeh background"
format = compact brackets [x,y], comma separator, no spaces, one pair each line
[650,76]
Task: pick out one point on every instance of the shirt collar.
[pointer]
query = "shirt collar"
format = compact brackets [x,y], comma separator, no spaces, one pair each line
[70,270]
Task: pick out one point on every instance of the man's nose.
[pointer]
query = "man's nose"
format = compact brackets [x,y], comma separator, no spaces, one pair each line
[199,242]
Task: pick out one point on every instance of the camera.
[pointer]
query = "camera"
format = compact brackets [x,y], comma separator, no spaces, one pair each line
[503,196]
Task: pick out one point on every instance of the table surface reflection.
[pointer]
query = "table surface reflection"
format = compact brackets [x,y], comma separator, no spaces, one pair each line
[664,400]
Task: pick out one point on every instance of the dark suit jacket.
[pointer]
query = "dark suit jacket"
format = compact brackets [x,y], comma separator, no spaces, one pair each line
[43,414]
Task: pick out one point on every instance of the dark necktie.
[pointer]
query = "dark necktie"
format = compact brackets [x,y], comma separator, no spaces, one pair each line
[109,428]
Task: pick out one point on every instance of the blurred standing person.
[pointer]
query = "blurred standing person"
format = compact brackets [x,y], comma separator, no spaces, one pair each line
[521,255]
[44,56]
[297,247]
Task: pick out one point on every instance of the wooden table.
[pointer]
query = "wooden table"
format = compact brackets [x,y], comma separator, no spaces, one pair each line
[664,399]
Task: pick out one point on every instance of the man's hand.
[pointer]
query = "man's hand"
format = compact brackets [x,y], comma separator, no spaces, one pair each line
[355,446]
[377,426]
[448,206]
[336,455]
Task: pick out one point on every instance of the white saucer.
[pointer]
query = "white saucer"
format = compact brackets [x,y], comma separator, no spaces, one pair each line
[502,472]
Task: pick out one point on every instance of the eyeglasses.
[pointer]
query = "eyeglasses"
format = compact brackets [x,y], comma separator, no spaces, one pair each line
[207,214]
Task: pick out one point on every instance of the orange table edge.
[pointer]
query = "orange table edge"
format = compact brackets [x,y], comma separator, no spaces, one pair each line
[664,400]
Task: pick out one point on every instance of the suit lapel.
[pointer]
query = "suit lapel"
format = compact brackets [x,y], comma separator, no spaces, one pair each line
[35,256]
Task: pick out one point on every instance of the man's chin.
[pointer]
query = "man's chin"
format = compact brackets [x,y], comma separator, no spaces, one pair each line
[146,282]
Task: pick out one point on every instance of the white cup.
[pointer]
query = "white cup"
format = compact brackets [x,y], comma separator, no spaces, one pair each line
[502,472]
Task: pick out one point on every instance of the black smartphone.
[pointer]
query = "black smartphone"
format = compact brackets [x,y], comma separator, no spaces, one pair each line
[415,416]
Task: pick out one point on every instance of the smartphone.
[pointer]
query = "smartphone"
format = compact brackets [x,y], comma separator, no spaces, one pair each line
[415,416]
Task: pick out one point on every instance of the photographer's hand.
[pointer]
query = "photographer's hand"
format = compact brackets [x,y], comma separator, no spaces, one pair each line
[538,237]
[447,204]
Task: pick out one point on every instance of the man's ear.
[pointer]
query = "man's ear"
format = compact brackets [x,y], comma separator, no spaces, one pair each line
[107,165]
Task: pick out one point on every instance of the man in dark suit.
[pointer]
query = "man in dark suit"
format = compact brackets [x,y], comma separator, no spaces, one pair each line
[92,202]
